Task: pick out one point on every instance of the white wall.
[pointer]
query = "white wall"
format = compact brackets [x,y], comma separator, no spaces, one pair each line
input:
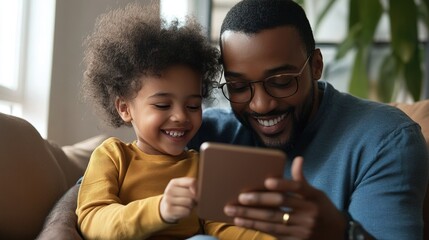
[71,120]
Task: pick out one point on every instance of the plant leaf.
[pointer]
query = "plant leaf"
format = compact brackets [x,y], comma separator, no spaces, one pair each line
[349,42]
[388,74]
[359,82]
[300,2]
[423,10]
[425,3]
[413,75]
[322,14]
[369,15]
[403,27]
[363,20]
[354,16]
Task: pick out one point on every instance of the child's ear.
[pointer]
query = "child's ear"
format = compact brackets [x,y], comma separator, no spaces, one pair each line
[123,109]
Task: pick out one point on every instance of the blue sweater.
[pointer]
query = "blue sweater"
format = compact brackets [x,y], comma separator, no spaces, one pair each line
[369,158]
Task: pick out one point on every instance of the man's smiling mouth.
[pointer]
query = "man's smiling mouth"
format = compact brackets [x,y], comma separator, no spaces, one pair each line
[271,122]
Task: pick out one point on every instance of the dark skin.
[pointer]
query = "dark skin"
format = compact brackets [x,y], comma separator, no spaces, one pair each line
[62,221]
[256,57]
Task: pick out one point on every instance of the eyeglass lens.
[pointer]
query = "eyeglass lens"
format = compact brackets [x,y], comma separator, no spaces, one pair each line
[279,86]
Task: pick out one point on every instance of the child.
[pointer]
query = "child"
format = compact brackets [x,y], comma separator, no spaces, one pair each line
[152,76]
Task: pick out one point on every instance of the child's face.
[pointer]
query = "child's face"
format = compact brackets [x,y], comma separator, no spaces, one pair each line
[166,113]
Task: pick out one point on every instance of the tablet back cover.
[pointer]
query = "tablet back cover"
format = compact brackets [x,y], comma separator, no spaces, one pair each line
[226,170]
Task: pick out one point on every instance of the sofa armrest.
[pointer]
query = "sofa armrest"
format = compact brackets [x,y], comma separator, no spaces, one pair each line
[73,159]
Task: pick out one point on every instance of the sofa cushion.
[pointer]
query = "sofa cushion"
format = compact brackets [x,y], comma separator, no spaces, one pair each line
[419,112]
[73,159]
[31,180]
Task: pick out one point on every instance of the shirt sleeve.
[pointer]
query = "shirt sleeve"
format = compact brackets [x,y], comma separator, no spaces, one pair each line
[229,231]
[389,190]
[102,215]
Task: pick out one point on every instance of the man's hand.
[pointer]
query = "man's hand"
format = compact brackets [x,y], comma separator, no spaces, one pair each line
[309,212]
[179,199]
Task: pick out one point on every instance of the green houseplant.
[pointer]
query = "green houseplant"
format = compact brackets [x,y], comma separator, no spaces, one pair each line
[402,67]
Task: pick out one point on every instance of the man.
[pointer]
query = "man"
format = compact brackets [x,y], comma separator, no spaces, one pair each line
[356,169]
[358,164]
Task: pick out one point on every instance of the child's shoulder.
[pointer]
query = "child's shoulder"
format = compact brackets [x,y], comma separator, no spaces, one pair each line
[112,140]
[113,143]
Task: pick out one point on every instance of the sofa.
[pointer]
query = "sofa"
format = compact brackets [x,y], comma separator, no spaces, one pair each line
[35,172]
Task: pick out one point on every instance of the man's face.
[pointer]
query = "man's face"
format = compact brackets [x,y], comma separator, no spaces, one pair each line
[277,121]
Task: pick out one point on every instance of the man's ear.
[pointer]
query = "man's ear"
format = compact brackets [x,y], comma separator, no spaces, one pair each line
[123,109]
[317,64]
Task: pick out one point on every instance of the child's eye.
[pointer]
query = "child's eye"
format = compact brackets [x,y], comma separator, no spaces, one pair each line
[162,106]
[194,107]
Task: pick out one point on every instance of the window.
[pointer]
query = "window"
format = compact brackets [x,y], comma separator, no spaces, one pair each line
[26,45]
[12,28]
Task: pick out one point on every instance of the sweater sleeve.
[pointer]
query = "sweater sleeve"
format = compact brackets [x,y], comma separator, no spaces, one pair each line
[389,191]
[101,214]
[229,231]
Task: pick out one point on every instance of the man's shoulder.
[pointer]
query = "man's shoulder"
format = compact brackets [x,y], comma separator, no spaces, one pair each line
[379,115]
[362,121]
[366,113]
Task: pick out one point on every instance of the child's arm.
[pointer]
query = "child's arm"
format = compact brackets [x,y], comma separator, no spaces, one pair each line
[229,231]
[102,214]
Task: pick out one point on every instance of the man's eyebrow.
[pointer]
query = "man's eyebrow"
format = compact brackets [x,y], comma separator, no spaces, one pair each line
[269,72]
[281,69]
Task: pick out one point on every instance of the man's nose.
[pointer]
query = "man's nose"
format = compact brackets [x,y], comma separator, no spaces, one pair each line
[261,102]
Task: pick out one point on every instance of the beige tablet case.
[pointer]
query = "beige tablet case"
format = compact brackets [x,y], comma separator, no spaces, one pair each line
[226,170]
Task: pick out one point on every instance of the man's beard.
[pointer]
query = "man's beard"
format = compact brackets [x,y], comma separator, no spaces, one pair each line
[274,141]
[297,126]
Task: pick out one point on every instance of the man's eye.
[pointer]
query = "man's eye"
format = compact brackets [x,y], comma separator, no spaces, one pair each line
[280,81]
[238,86]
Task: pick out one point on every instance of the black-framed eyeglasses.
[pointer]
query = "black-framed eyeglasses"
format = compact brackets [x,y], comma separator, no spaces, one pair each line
[279,86]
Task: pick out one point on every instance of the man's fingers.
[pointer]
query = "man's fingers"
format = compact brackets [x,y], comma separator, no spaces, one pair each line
[297,173]
[299,224]
[297,187]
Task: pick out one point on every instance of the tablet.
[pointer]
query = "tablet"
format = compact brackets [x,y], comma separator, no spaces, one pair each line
[227,170]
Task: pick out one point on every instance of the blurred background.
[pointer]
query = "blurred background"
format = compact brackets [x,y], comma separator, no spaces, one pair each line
[374,49]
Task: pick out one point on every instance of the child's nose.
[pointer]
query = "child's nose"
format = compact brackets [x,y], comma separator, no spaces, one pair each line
[179,115]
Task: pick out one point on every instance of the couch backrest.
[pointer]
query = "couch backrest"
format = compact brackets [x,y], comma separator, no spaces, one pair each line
[419,112]
[31,181]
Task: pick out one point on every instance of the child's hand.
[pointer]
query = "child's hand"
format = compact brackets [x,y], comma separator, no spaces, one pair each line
[179,199]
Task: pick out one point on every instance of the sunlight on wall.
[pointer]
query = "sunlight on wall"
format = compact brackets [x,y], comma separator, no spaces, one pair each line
[10,42]
[171,9]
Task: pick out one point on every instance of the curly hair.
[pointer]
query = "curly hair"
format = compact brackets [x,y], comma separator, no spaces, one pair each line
[253,16]
[134,41]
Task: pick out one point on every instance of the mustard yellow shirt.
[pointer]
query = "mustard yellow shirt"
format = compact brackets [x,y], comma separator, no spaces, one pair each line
[121,191]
